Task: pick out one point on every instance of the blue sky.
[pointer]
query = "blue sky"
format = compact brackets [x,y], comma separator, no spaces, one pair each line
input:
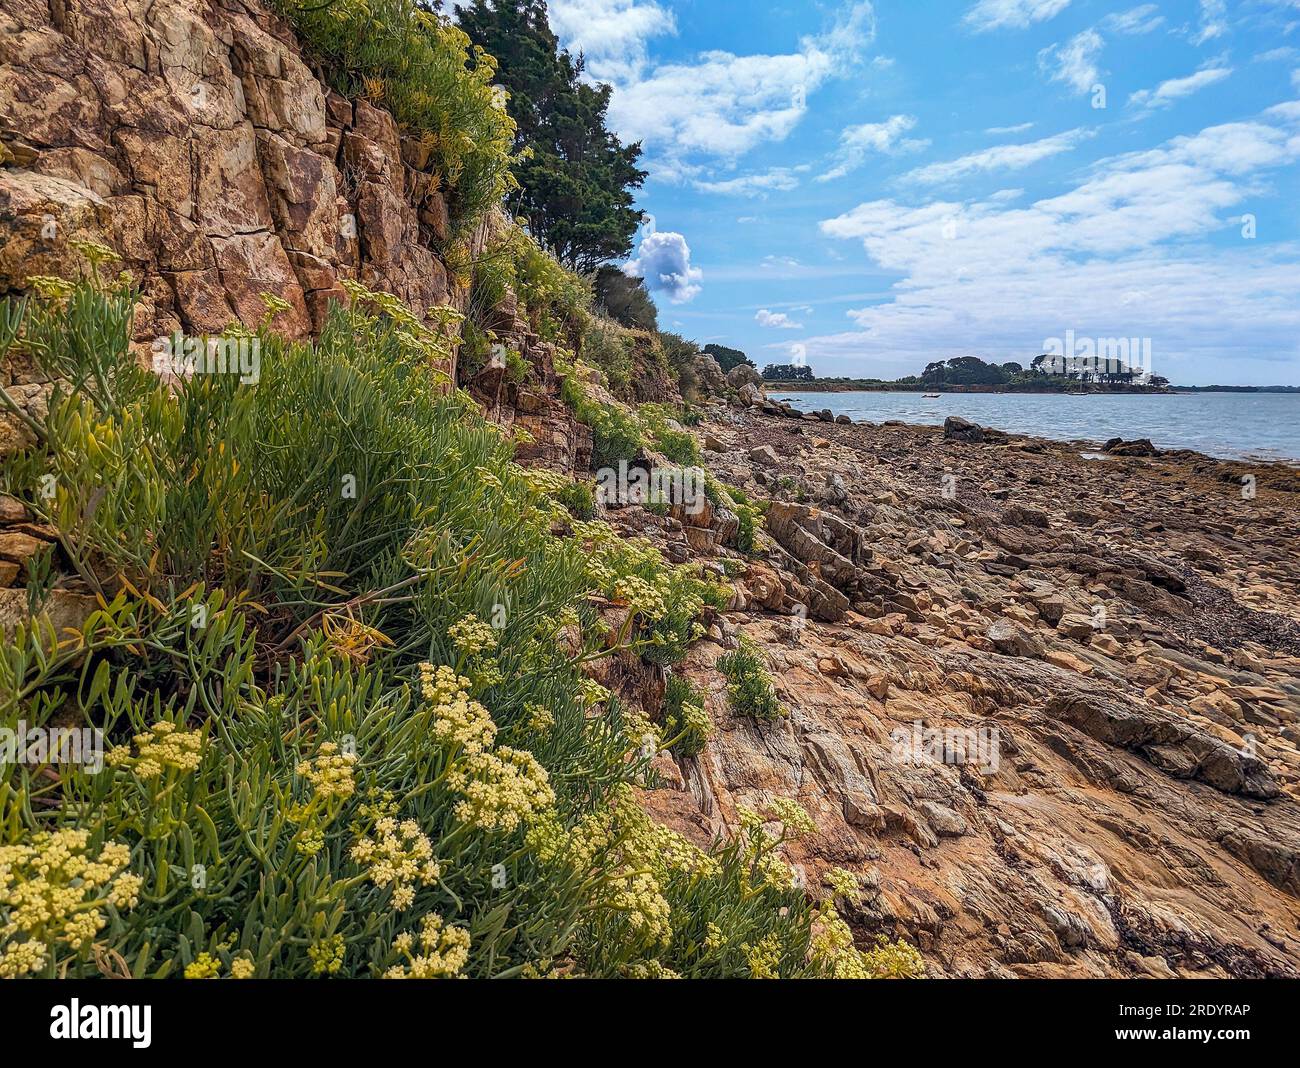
[877,185]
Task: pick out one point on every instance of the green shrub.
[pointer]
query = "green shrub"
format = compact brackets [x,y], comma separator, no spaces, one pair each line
[608,346]
[413,62]
[686,721]
[749,685]
[336,636]
[678,445]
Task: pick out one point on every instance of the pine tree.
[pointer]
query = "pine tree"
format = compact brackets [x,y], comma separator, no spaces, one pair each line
[577,180]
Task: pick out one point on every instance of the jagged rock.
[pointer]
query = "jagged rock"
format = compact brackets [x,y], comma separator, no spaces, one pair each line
[709,374]
[1013,640]
[750,395]
[1137,447]
[765,455]
[955,428]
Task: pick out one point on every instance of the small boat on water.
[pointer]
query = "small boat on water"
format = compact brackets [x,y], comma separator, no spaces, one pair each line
[929,396]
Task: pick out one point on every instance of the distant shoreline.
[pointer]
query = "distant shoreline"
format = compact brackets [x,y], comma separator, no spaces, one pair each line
[831,385]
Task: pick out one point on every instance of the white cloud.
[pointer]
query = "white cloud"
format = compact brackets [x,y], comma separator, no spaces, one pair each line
[776,320]
[991,14]
[856,142]
[664,261]
[1167,93]
[611,34]
[1137,20]
[779,179]
[1123,253]
[999,158]
[1075,62]
[721,105]
[999,130]
[1214,21]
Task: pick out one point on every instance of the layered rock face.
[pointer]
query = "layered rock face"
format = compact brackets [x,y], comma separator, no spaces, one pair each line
[193,137]
[1045,706]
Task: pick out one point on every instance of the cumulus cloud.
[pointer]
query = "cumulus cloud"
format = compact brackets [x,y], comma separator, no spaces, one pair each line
[611,34]
[992,14]
[1075,62]
[999,158]
[776,320]
[1126,252]
[1173,90]
[663,259]
[721,105]
[857,142]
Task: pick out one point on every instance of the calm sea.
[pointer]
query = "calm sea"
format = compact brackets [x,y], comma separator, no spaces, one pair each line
[1229,425]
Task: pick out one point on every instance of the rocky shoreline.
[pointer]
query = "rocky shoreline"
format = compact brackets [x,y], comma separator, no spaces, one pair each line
[1124,634]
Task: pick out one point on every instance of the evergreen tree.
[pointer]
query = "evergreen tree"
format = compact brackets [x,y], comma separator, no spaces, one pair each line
[577,177]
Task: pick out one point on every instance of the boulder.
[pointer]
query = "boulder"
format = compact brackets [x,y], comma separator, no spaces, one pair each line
[955,428]
[743,374]
[1136,447]
[763,454]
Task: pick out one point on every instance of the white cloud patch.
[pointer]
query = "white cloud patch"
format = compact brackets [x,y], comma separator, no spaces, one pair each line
[1123,253]
[1168,93]
[1075,62]
[999,158]
[721,105]
[993,14]
[1137,20]
[1213,21]
[776,320]
[886,138]
[664,261]
[611,34]
[779,180]
[1002,130]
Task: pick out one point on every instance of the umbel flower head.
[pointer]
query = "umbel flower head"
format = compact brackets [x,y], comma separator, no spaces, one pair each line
[330,772]
[444,951]
[162,747]
[401,856]
[52,891]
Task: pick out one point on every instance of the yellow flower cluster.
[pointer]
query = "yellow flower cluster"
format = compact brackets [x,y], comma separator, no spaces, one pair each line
[639,897]
[764,958]
[330,772]
[444,951]
[400,856]
[641,597]
[242,968]
[160,748]
[501,789]
[540,719]
[472,636]
[53,891]
[461,722]
[326,956]
[835,955]
[844,884]
[650,969]
[204,966]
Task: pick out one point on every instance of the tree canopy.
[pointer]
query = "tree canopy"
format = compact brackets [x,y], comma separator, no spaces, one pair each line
[576,177]
[727,358]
